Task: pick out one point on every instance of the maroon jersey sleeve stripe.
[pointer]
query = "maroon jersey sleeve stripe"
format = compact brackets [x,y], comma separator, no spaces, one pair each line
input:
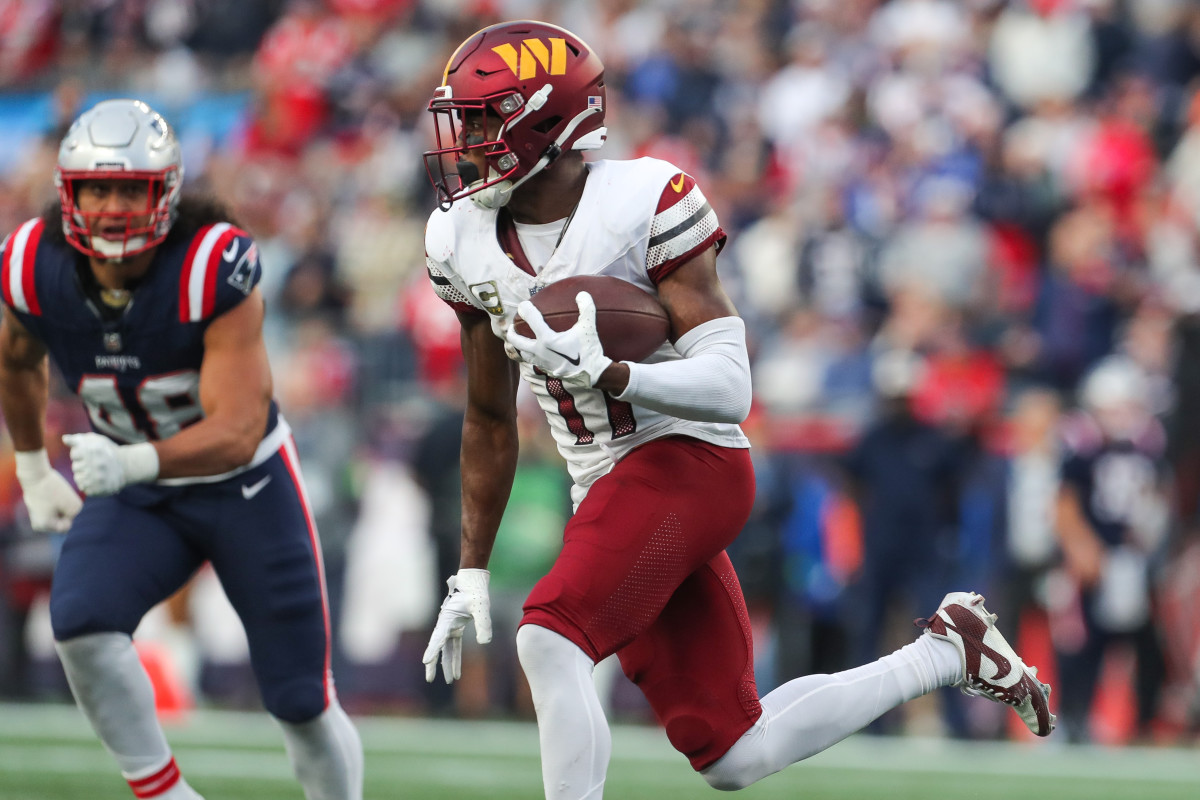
[676,189]
[684,226]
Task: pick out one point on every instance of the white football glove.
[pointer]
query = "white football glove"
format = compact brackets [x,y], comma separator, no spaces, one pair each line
[49,498]
[467,600]
[103,467]
[575,355]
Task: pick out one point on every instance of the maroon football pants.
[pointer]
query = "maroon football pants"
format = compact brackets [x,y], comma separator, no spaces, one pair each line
[643,573]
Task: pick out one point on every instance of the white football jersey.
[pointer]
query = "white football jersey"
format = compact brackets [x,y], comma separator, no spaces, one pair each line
[637,220]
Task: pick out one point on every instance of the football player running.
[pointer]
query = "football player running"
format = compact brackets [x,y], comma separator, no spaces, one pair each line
[148,304]
[662,475]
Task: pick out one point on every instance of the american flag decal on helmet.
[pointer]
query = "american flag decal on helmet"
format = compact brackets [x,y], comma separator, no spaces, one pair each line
[594,101]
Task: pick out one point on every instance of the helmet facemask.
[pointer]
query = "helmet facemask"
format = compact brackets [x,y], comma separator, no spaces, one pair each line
[126,233]
[451,172]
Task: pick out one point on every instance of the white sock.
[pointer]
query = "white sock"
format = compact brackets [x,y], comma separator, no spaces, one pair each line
[576,743]
[113,691]
[326,754]
[808,714]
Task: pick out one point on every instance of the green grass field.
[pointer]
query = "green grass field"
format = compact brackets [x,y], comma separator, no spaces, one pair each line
[47,752]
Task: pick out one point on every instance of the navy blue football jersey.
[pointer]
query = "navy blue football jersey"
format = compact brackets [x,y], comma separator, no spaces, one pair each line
[138,374]
[1111,478]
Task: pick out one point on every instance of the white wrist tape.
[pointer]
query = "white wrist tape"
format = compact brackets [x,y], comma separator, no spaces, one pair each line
[32,465]
[139,462]
[711,383]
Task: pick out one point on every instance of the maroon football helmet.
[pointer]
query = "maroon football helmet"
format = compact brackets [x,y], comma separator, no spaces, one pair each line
[542,89]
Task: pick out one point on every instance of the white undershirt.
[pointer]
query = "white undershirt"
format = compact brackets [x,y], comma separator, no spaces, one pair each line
[538,241]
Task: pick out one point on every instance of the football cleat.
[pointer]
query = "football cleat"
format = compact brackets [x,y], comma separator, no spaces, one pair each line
[991,668]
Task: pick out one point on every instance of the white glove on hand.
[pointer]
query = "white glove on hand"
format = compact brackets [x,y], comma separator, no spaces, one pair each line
[49,498]
[468,599]
[103,467]
[575,355]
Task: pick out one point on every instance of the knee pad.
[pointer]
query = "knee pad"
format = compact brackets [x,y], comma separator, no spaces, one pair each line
[295,701]
[686,714]
[701,721]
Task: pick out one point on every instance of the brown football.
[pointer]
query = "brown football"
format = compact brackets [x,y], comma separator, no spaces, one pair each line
[631,322]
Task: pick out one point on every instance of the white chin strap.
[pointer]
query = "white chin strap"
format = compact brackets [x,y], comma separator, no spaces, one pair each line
[494,196]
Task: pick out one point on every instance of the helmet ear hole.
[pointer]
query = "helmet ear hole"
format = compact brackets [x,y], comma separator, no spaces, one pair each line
[547,125]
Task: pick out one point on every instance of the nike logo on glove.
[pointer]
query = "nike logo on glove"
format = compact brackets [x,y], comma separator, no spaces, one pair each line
[574,361]
[248,492]
[231,251]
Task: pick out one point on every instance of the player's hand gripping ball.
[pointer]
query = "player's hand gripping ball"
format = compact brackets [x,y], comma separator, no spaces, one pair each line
[620,322]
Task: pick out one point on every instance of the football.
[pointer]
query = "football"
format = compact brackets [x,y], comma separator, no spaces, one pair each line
[631,322]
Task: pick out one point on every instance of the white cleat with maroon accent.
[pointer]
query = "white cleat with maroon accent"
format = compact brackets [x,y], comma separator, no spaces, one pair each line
[991,667]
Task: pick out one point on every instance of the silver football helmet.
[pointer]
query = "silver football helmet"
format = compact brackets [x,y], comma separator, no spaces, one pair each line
[1117,394]
[120,140]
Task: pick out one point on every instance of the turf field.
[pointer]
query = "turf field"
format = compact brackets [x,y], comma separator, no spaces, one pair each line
[48,753]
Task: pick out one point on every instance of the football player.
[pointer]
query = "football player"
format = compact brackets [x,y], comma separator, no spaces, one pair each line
[662,476]
[147,302]
[1111,516]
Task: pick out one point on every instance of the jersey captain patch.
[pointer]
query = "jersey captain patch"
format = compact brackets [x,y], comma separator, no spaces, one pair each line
[684,225]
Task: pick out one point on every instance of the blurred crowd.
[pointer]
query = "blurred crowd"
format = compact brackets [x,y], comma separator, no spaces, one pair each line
[963,234]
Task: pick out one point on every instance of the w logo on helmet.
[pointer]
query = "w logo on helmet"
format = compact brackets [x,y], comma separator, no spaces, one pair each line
[534,53]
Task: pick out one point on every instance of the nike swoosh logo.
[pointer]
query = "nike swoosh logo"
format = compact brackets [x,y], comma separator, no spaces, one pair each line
[574,361]
[248,492]
[231,251]
[970,627]
[677,184]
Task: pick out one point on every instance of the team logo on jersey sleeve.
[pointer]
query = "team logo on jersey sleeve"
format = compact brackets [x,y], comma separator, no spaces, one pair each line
[242,277]
[488,296]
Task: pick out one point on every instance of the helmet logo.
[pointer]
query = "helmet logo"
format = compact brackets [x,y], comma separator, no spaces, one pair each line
[534,53]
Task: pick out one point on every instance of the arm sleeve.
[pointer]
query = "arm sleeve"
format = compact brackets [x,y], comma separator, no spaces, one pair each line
[711,383]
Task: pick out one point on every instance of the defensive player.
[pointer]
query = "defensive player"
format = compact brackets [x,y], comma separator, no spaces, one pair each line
[147,302]
[662,476]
